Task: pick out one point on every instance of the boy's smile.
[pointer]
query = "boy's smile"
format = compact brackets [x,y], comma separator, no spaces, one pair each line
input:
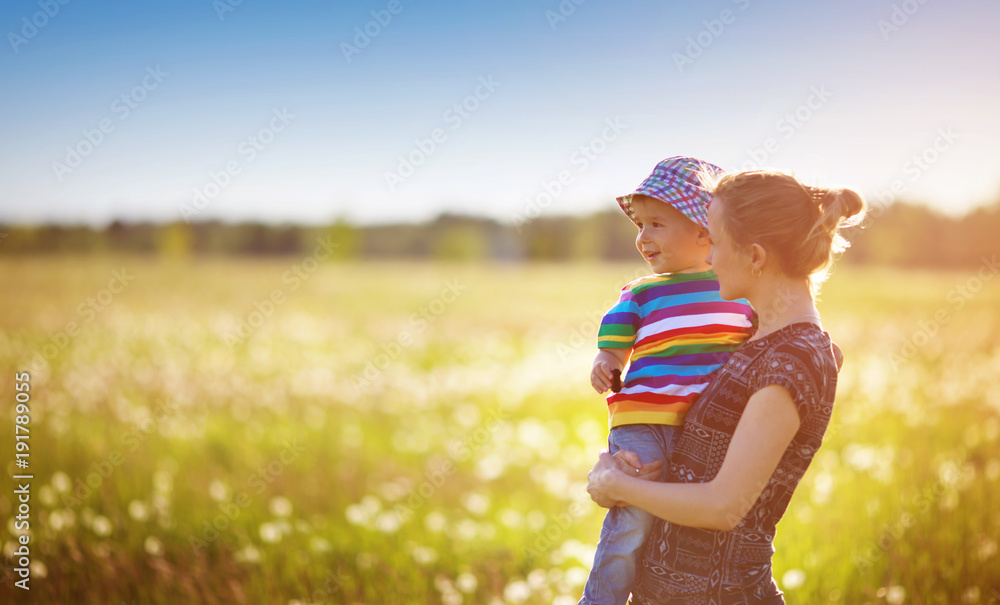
[669,241]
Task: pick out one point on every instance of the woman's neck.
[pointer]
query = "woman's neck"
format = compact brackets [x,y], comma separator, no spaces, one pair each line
[780,301]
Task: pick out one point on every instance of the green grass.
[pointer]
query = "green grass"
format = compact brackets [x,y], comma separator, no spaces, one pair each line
[418,433]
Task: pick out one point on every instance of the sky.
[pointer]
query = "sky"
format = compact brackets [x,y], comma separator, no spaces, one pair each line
[399,110]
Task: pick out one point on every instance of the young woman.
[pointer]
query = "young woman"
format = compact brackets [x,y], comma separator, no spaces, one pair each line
[750,437]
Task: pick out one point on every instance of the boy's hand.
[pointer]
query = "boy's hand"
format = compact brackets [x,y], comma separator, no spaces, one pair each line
[601,373]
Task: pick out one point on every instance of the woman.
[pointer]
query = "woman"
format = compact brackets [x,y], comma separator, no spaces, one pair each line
[751,435]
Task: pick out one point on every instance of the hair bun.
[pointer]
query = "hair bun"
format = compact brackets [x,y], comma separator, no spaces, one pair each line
[837,207]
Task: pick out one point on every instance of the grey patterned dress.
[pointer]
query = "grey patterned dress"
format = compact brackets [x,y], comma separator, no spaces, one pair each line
[690,566]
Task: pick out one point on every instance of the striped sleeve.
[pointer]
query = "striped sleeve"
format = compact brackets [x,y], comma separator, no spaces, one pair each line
[620,325]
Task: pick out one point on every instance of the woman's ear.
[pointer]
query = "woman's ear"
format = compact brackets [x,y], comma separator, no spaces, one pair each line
[758,256]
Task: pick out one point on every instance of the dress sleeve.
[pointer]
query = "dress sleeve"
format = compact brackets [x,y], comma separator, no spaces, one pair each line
[620,325]
[798,368]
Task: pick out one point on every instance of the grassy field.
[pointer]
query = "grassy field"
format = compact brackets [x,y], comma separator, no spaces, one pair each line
[286,431]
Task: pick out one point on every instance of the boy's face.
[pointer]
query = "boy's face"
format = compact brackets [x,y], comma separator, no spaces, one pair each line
[669,241]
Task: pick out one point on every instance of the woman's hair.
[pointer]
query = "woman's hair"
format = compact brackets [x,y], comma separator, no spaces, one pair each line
[796,223]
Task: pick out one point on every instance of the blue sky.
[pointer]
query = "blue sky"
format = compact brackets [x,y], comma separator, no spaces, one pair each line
[259,108]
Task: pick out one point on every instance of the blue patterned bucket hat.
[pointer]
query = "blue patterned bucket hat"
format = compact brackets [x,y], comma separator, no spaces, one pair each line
[676,181]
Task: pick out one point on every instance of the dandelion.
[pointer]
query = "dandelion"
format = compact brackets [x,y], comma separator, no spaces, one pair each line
[138,510]
[38,569]
[218,491]
[476,504]
[163,482]
[793,579]
[466,529]
[895,595]
[511,518]
[247,554]
[490,467]
[435,522]
[393,490]
[537,579]
[356,514]
[319,545]
[153,546]
[467,583]
[101,526]
[270,533]
[516,592]
[280,506]
[424,555]
[61,482]
[48,496]
[971,595]
[822,487]
[56,520]
[576,576]
[388,522]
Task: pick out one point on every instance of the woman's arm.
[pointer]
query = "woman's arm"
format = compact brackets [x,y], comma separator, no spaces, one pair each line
[766,427]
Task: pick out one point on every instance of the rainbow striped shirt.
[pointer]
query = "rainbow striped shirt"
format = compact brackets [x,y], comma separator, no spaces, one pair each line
[680,331]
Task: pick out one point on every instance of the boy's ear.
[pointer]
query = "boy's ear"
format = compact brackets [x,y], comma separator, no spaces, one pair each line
[703,237]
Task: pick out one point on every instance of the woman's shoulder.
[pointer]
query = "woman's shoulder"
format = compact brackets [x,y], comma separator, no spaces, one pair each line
[801,348]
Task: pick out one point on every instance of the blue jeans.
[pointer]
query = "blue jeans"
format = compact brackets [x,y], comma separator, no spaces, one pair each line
[626,527]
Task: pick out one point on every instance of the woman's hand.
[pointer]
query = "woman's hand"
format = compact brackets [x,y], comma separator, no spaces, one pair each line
[631,465]
[601,480]
[607,474]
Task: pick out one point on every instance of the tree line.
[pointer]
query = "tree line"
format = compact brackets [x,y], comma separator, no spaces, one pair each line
[899,235]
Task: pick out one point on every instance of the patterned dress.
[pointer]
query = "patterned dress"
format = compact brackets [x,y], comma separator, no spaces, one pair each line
[691,566]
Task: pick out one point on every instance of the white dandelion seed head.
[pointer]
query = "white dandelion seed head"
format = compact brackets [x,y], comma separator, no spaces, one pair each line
[153,546]
[517,591]
[793,579]
[101,526]
[61,482]
[280,506]
[218,490]
[466,582]
[138,510]
[270,533]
